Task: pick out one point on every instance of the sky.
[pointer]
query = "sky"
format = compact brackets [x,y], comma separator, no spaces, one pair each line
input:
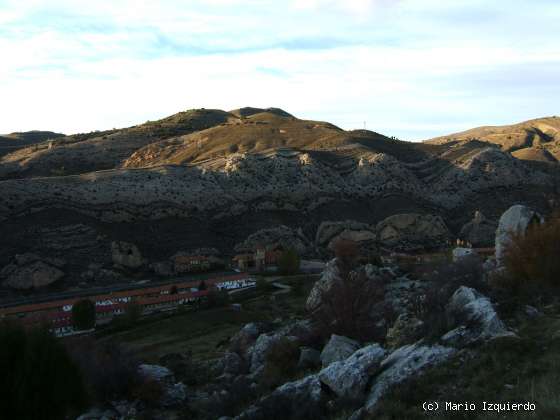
[413,69]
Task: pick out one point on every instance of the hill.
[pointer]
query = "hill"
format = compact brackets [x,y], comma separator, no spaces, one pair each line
[14,141]
[230,180]
[537,139]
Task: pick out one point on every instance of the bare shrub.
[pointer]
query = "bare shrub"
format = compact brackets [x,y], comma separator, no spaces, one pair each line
[353,307]
[444,281]
[346,253]
[280,362]
[532,259]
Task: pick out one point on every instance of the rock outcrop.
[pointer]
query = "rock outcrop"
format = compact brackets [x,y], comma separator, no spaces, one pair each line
[402,364]
[338,348]
[30,271]
[474,318]
[479,232]
[515,220]
[348,378]
[277,237]
[126,255]
[408,232]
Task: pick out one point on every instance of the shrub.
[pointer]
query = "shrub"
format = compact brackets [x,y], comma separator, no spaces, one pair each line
[218,298]
[289,262]
[149,391]
[38,380]
[353,306]
[83,314]
[532,259]
[280,362]
[346,253]
[444,281]
[263,286]
[109,370]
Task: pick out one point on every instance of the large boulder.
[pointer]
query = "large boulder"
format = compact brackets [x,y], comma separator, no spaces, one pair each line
[402,364]
[29,273]
[515,220]
[298,399]
[479,232]
[126,255]
[331,274]
[349,378]
[474,318]
[407,329]
[174,393]
[276,237]
[407,232]
[241,342]
[309,358]
[338,348]
[329,232]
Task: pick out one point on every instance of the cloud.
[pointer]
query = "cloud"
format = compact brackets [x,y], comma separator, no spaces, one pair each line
[411,69]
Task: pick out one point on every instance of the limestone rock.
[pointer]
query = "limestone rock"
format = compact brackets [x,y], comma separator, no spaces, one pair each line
[402,364]
[479,232]
[411,231]
[330,275]
[474,317]
[338,348]
[174,393]
[35,274]
[127,255]
[407,329]
[329,232]
[459,253]
[276,237]
[349,378]
[309,358]
[515,220]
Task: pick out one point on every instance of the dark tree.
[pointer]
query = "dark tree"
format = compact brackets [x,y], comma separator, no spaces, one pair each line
[38,380]
[83,314]
[289,262]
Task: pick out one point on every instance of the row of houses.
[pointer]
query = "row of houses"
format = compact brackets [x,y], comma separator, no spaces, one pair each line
[58,313]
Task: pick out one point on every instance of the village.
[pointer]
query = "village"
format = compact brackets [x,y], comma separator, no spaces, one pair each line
[198,280]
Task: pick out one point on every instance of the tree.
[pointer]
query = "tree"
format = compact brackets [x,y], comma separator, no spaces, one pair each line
[132,313]
[83,314]
[39,380]
[289,262]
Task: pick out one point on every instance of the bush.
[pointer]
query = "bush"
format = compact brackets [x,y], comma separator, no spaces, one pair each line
[280,363]
[38,378]
[346,253]
[289,262]
[445,280]
[109,370]
[83,315]
[263,286]
[353,307]
[532,260]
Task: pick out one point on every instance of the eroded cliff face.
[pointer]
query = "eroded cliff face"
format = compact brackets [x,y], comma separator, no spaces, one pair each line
[255,172]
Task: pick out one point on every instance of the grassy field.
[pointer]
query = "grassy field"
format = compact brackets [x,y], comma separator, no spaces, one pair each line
[204,332]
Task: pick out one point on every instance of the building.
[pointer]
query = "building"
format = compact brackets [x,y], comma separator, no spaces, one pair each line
[191,263]
[58,313]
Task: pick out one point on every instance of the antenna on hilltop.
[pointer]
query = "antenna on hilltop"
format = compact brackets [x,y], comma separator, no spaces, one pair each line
[364,125]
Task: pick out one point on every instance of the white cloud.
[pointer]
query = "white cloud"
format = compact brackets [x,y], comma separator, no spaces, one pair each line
[409,72]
